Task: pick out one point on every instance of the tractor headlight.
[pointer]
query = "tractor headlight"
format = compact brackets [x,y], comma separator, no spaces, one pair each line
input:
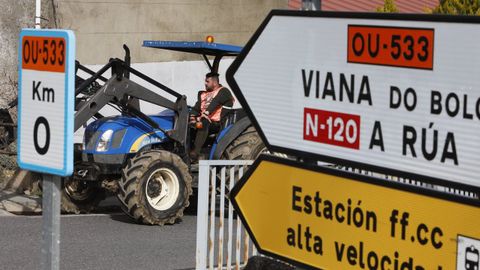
[104,141]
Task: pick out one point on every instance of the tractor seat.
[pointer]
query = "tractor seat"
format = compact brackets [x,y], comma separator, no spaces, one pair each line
[230,116]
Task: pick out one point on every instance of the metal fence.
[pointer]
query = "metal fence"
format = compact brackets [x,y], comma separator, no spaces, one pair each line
[222,241]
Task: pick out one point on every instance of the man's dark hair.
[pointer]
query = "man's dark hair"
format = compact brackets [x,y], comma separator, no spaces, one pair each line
[213,75]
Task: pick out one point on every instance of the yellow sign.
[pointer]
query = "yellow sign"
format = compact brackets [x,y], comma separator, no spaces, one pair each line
[330,219]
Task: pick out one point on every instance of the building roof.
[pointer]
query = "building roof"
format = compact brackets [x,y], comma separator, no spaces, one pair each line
[404,6]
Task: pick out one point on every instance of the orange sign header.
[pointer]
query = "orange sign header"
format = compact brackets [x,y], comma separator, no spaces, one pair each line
[43,53]
[391,46]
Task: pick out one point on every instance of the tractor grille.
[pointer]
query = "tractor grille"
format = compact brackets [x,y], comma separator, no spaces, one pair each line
[117,138]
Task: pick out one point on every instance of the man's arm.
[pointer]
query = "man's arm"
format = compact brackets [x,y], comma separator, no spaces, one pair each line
[196,108]
[223,98]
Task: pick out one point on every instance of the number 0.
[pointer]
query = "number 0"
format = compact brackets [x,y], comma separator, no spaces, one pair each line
[351,131]
[41,150]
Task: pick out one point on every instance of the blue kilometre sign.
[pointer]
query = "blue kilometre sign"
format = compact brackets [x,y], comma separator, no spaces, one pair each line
[46,101]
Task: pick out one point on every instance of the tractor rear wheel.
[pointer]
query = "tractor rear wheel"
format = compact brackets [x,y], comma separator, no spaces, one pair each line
[155,187]
[248,146]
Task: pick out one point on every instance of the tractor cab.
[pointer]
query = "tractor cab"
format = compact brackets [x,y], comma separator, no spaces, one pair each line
[212,54]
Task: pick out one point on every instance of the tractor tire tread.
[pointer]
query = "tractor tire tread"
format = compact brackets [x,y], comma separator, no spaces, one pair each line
[130,186]
[247,146]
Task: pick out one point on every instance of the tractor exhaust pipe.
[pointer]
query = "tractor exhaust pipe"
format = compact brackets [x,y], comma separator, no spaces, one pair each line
[127,61]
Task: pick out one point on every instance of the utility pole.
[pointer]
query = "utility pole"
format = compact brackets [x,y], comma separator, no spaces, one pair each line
[38,8]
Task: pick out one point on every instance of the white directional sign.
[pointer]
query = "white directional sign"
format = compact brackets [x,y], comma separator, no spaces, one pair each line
[387,92]
[46,101]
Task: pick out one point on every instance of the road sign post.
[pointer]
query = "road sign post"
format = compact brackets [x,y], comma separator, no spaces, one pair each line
[396,94]
[45,121]
[330,219]
[51,222]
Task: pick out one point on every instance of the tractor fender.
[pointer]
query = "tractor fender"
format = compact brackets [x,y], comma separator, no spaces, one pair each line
[232,133]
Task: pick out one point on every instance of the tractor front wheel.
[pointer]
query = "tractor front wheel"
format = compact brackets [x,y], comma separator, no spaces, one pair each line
[155,187]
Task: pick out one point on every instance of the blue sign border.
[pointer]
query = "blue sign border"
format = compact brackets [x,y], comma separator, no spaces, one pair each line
[69,37]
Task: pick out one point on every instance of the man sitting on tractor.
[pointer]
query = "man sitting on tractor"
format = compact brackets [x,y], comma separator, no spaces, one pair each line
[207,112]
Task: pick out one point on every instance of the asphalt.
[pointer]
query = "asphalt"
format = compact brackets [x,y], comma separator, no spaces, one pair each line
[100,242]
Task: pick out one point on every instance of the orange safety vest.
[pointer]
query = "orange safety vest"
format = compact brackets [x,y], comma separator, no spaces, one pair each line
[206,98]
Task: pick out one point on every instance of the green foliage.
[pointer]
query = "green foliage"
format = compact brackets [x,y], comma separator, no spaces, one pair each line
[388,7]
[458,7]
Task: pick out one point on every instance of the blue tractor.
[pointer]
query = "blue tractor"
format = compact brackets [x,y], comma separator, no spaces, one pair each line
[143,159]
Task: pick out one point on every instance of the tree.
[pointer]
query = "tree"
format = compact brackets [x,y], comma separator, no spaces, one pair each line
[388,7]
[458,7]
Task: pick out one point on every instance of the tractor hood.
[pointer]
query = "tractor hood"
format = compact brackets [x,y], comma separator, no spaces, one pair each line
[125,134]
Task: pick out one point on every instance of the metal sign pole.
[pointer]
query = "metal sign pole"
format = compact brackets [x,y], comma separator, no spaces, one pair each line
[49,148]
[51,222]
